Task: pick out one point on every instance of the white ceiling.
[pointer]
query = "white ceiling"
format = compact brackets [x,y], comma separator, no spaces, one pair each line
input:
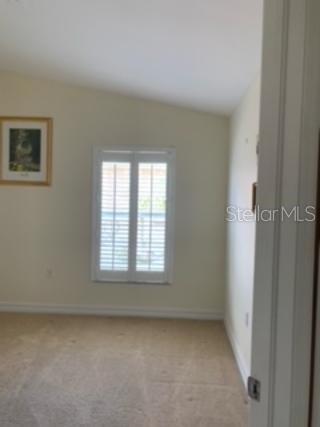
[197,53]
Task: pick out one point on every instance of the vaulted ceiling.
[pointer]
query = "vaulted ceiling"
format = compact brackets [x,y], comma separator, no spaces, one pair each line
[197,53]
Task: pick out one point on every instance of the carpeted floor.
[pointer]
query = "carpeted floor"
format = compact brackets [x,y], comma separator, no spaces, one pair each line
[117,372]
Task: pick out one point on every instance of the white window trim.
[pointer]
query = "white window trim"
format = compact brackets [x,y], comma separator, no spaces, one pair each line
[138,152]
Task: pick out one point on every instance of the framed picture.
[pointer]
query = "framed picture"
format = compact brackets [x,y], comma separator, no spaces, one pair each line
[25,150]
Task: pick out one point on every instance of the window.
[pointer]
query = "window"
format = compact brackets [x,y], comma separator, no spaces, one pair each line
[133,215]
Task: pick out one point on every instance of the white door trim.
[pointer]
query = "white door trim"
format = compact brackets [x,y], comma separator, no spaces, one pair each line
[287,177]
[316,391]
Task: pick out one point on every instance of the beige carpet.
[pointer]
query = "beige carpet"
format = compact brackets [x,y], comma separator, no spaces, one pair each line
[117,372]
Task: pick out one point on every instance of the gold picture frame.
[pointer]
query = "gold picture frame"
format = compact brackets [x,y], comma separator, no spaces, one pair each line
[26,150]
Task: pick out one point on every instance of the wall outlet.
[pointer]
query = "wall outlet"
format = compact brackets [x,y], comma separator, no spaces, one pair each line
[49,273]
[247,319]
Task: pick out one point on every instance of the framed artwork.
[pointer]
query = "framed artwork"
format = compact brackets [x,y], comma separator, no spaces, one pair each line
[25,150]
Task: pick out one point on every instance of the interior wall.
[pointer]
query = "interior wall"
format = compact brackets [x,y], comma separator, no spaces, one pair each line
[45,234]
[244,129]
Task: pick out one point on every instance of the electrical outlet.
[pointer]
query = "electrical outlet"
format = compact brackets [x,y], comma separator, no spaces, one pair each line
[49,273]
[247,319]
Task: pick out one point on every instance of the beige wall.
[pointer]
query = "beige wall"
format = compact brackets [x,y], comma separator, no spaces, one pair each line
[241,235]
[48,229]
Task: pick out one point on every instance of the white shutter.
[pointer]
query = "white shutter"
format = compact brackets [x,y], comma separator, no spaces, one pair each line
[115,216]
[133,215]
[151,229]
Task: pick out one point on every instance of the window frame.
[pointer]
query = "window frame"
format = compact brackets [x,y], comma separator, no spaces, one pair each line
[133,155]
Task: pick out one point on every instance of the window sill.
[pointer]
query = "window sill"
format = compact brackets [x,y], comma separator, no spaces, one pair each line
[130,283]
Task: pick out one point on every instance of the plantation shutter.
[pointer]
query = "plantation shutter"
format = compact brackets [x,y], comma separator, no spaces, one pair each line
[115,216]
[152,198]
[132,216]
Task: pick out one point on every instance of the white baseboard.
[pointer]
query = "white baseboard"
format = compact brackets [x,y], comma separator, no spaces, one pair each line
[98,310]
[242,365]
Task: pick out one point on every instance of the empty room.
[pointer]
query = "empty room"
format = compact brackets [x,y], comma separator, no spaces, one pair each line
[129,140]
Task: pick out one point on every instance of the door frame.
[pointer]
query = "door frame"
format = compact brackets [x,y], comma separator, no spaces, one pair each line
[283,292]
[314,416]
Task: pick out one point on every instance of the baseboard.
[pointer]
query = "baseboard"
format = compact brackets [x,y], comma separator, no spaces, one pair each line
[95,310]
[242,365]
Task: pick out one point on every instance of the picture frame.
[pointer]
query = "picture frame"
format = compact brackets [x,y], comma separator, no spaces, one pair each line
[26,150]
